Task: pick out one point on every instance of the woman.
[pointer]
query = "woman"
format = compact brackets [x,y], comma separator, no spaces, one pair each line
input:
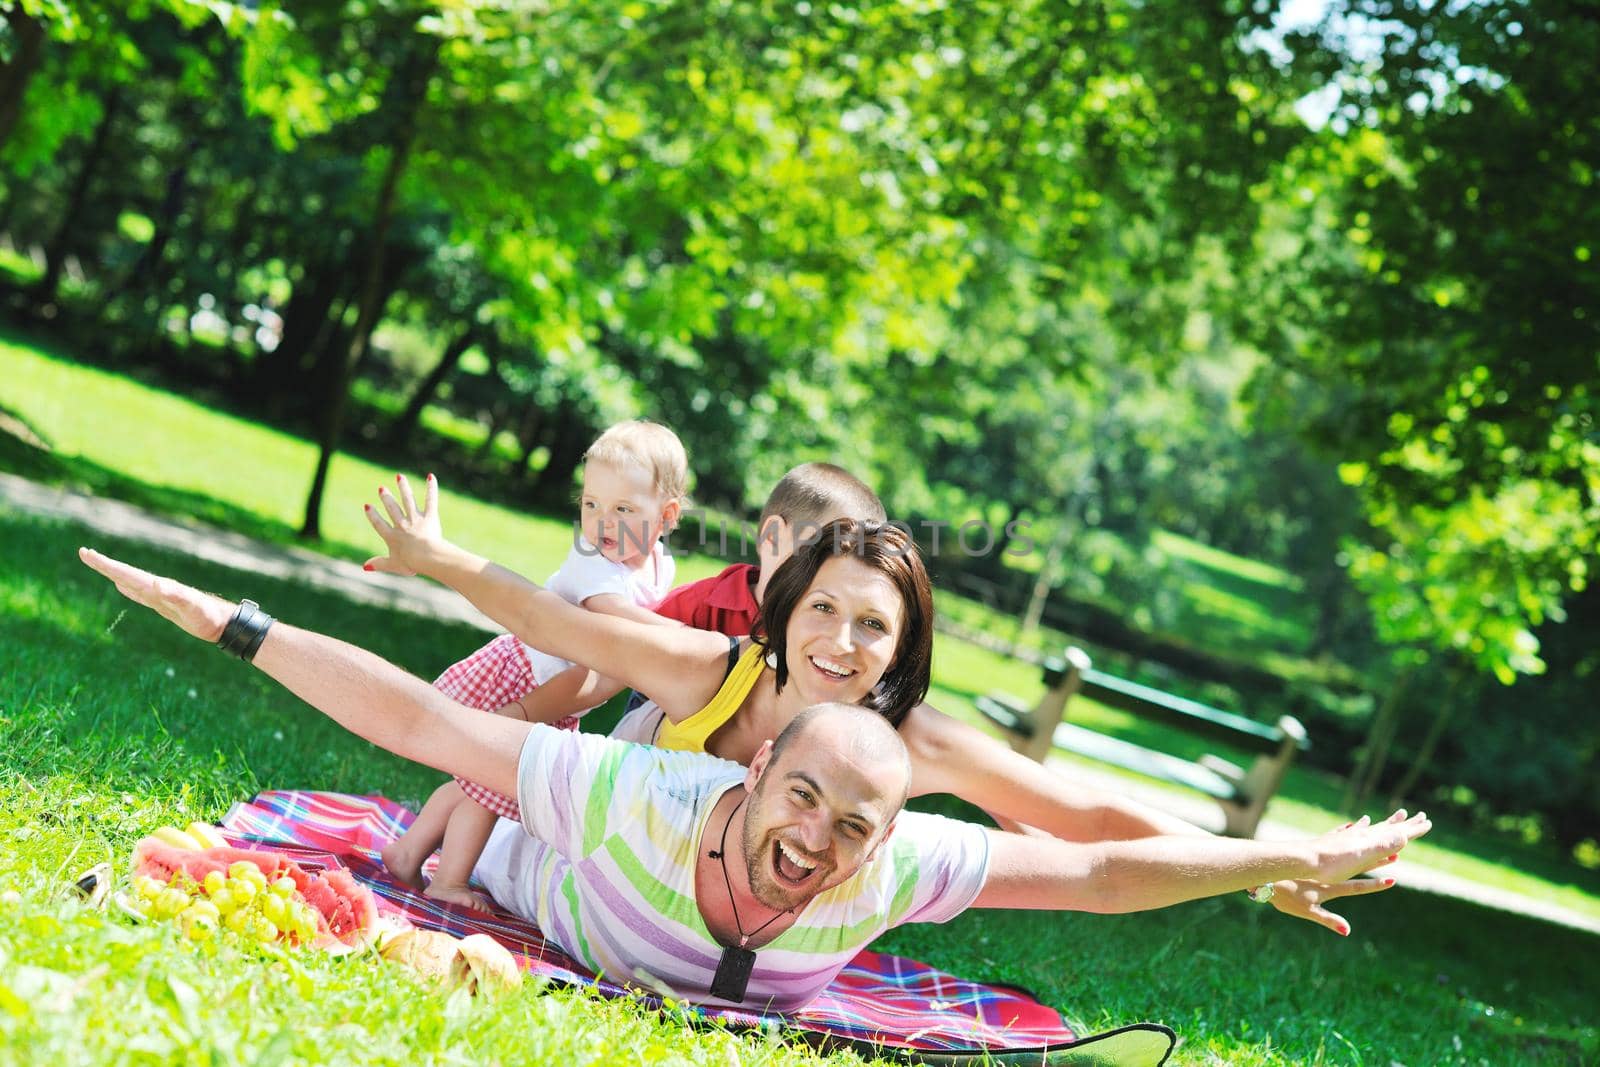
[849,618]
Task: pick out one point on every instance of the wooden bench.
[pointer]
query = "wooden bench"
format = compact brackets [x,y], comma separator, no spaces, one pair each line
[1243,794]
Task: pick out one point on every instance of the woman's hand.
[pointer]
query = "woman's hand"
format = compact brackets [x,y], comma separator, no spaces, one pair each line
[414,536]
[195,613]
[1354,848]
[1360,846]
[1305,899]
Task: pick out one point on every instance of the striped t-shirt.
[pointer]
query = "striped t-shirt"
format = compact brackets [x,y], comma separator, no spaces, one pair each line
[608,872]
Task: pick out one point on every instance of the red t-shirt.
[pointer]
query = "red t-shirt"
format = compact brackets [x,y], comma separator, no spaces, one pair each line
[724,603]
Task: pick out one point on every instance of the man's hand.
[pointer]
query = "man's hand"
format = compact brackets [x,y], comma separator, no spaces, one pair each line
[415,532]
[195,613]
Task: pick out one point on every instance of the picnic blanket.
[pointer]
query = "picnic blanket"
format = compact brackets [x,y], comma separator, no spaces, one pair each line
[879,1004]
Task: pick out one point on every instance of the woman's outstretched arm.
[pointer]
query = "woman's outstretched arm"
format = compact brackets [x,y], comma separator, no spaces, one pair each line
[680,667]
[365,694]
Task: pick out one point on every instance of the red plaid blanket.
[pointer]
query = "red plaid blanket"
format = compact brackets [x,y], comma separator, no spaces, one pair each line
[879,1002]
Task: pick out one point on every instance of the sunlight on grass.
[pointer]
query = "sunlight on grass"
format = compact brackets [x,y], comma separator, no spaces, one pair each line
[112,728]
[1214,558]
[1246,614]
[168,441]
[115,725]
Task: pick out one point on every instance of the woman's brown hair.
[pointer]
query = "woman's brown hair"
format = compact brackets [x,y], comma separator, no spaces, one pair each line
[888,550]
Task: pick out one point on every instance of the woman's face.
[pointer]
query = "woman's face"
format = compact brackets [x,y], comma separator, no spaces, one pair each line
[844,632]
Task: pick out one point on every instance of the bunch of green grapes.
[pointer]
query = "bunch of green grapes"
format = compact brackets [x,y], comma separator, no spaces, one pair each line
[242,900]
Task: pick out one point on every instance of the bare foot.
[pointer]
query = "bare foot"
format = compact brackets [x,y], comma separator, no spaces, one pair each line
[458,894]
[401,859]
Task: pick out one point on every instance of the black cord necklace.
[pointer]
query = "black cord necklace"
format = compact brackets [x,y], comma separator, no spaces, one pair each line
[733,969]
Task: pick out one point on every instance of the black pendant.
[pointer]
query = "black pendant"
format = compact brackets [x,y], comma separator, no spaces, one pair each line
[733,974]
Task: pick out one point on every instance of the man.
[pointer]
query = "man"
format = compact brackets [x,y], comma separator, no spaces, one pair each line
[634,873]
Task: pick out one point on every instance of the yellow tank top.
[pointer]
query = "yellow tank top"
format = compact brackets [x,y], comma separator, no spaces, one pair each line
[692,733]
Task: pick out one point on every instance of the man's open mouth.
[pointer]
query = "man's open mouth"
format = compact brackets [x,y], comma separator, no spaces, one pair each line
[793,868]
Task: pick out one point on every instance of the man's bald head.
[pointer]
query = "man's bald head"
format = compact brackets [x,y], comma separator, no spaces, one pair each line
[857,733]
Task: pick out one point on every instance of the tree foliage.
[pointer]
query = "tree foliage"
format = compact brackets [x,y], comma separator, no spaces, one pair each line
[1324,296]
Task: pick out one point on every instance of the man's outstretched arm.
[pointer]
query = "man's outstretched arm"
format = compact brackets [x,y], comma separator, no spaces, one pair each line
[949,756]
[1154,872]
[365,694]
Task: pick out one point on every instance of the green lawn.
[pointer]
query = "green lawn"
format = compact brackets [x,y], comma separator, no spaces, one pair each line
[126,439]
[113,726]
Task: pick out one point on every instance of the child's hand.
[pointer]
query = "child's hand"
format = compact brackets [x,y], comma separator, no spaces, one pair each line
[415,531]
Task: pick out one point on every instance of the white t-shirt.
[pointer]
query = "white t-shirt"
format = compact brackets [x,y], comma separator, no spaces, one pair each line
[608,871]
[586,573]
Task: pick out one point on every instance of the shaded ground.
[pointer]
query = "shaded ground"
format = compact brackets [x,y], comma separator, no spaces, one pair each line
[421,597]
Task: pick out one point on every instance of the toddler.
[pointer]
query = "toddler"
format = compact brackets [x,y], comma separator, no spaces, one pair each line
[634,482]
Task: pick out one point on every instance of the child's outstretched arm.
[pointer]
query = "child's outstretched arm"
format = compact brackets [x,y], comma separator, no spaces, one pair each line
[368,696]
[619,606]
[574,690]
[683,665]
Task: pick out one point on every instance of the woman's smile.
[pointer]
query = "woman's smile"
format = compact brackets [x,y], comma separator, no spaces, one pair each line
[844,632]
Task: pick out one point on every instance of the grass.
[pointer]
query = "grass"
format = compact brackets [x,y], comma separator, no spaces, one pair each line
[115,725]
[1309,799]
[179,457]
[104,741]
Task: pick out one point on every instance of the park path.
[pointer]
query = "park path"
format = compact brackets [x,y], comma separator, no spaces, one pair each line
[118,519]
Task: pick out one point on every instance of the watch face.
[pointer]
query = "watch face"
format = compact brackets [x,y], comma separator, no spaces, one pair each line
[1261,893]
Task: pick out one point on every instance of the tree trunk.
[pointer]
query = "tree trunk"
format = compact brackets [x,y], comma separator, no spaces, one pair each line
[55,253]
[27,53]
[405,424]
[1041,592]
[412,81]
[1367,773]
[529,436]
[1419,766]
[565,454]
[497,422]
[307,325]
[146,270]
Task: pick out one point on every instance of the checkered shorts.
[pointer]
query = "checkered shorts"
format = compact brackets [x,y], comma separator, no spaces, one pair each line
[488,680]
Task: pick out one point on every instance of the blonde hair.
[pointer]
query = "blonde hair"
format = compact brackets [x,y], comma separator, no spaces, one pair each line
[649,445]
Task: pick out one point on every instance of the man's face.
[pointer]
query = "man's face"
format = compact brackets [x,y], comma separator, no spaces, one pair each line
[816,815]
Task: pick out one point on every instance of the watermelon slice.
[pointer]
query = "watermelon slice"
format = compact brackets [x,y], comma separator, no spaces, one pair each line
[346,910]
